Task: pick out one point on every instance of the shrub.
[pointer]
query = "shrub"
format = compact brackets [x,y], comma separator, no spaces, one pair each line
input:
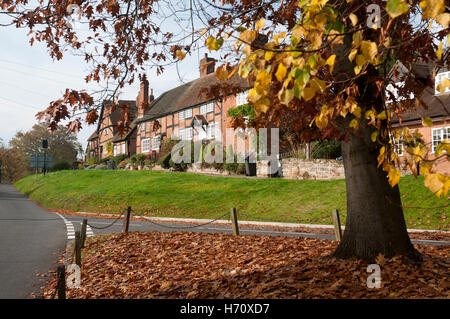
[100,167]
[165,161]
[61,166]
[240,169]
[140,158]
[327,149]
[119,158]
[123,164]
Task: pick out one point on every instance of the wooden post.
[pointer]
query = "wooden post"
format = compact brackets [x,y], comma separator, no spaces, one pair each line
[83,232]
[126,221]
[77,249]
[234,222]
[61,283]
[337,225]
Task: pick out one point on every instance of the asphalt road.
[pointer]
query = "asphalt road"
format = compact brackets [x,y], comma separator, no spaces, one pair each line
[31,241]
[103,226]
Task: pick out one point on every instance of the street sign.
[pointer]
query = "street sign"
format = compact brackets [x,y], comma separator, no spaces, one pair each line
[37,161]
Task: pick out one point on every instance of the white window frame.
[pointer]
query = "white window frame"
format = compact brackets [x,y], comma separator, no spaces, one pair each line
[398,146]
[438,80]
[207,108]
[185,133]
[241,98]
[186,114]
[438,135]
[145,145]
[156,143]
[212,131]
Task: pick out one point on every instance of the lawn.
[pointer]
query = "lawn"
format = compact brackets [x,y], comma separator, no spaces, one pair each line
[188,195]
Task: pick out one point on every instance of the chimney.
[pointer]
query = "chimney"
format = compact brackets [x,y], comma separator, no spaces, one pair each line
[142,98]
[151,97]
[207,65]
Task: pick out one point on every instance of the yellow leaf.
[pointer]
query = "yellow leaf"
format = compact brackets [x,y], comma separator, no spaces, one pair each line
[443,19]
[308,93]
[373,136]
[354,124]
[439,51]
[287,96]
[353,18]
[318,85]
[262,105]
[360,60]
[396,7]
[394,176]
[321,121]
[248,36]
[268,55]
[352,54]
[369,49]
[253,96]
[434,183]
[281,72]
[260,24]
[431,8]
[180,55]
[382,115]
[330,62]
[426,121]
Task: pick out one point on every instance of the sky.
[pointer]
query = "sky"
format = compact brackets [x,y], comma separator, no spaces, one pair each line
[30,79]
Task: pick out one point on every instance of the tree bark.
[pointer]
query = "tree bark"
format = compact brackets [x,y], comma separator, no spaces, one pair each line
[375,223]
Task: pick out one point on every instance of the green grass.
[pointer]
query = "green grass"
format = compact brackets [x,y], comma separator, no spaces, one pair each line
[187,195]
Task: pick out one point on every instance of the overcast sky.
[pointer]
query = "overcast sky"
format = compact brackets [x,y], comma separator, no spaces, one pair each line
[30,80]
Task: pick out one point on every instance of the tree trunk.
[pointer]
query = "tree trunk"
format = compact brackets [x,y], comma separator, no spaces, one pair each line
[375,223]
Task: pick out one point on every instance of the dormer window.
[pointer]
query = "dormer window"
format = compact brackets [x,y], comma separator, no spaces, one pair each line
[241,98]
[439,80]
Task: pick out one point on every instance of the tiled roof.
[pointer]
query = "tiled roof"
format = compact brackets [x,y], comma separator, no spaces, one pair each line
[186,95]
[93,136]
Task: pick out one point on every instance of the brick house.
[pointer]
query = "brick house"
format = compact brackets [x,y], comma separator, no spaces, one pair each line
[106,132]
[185,113]
[438,110]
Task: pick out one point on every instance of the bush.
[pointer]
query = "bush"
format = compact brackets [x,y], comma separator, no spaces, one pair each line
[326,149]
[104,160]
[164,161]
[100,166]
[240,169]
[119,158]
[123,164]
[61,166]
[140,159]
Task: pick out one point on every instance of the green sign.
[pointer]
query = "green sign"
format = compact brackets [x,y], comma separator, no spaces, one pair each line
[38,161]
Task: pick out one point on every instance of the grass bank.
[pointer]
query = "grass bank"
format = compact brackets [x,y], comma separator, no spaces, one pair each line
[166,194]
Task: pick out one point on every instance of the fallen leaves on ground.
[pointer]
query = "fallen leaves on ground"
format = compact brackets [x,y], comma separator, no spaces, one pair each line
[198,265]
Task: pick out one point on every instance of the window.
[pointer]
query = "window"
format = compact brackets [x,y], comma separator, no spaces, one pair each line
[185,133]
[156,143]
[212,131]
[207,108]
[106,131]
[145,145]
[398,146]
[241,98]
[143,127]
[123,148]
[185,114]
[438,135]
[439,80]
[116,150]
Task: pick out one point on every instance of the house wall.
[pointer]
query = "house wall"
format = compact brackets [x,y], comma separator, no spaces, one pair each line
[442,165]
[171,124]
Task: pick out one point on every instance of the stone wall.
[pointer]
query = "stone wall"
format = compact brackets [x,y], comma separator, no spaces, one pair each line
[294,168]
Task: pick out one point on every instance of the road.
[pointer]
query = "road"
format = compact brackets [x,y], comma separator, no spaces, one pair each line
[101,226]
[31,241]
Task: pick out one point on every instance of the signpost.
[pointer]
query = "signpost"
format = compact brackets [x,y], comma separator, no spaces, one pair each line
[40,161]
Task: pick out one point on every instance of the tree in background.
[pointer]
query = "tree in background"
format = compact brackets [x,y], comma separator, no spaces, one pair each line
[15,164]
[63,145]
